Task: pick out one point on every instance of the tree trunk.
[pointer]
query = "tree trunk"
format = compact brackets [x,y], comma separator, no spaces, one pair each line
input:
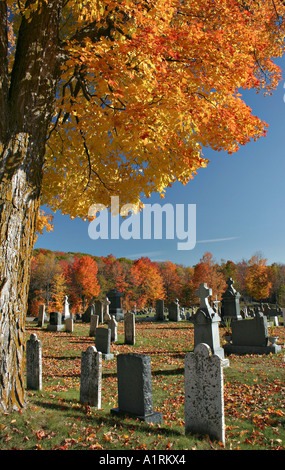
[26,114]
[18,209]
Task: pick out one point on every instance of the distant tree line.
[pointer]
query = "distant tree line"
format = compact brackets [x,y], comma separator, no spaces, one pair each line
[83,277]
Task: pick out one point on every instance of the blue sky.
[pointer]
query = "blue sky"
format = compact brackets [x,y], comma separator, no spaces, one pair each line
[239,198]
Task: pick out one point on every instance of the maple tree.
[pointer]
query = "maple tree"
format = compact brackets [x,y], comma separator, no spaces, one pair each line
[207,271]
[277,279]
[113,273]
[82,280]
[257,279]
[44,269]
[147,282]
[171,281]
[58,292]
[102,98]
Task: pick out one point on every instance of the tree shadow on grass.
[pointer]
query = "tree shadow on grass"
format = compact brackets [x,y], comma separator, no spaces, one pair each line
[105,418]
[166,372]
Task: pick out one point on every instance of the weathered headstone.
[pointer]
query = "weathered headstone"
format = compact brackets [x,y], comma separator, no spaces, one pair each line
[94,322]
[34,363]
[206,324]
[107,316]
[159,310]
[115,307]
[130,328]
[88,312]
[204,394]
[103,342]
[42,315]
[230,303]
[69,324]
[55,322]
[271,313]
[112,324]
[135,388]
[173,311]
[250,336]
[91,377]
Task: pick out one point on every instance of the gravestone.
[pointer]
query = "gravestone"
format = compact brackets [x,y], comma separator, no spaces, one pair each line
[159,310]
[271,314]
[34,363]
[94,322]
[112,324]
[88,312]
[55,322]
[107,316]
[173,311]
[66,312]
[130,328]
[206,324]
[42,315]
[230,303]
[115,308]
[204,394]
[103,342]
[68,322]
[135,388]
[250,336]
[91,377]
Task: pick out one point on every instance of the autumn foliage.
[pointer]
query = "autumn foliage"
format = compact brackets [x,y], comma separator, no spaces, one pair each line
[257,279]
[145,85]
[142,281]
[101,98]
[81,277]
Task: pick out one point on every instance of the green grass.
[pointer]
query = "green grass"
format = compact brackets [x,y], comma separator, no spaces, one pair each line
[54,419]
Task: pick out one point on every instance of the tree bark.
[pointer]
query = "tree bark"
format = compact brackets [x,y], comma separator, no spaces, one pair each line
[26,112]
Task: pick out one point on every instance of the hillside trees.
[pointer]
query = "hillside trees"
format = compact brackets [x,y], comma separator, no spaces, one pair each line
[102,98]
[44,271]
[147,283]
[257,279]
[171,282]
[81,276]
[208,271]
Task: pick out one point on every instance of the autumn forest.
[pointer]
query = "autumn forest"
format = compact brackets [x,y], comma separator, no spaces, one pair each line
[142,281]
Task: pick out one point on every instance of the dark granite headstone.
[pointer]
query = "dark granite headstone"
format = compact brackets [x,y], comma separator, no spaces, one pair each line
[55,322]
[103,342]
[115,307]
[230,303]
[250,336]
[86,317]
[135,388]
[159,310]
[173,311]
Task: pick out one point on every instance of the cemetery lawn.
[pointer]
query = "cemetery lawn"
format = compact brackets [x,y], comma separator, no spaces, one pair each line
[254,388]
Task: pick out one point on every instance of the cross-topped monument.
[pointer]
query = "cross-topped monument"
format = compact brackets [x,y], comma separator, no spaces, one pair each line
[203,293]
[206,324]
[230,302]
